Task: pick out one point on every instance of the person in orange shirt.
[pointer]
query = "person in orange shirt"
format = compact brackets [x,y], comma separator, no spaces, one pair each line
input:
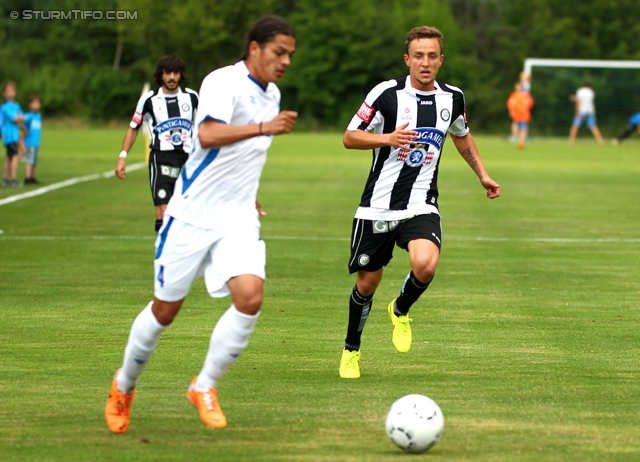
[519,104]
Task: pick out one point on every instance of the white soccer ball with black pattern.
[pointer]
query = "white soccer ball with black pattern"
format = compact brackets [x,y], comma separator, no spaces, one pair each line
[414,423]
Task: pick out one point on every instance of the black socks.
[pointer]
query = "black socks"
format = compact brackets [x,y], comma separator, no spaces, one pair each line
[359,308]
[410,292]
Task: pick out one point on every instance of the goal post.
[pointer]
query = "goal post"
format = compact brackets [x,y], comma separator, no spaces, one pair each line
[615,82]
[529,63]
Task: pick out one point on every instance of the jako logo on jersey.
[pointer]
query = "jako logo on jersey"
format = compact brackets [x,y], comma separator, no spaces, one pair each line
[178,129]
[426,103]
[365,112]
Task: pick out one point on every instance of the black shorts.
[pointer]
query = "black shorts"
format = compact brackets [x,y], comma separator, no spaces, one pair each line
[12,150]
[164,168]
[372,241]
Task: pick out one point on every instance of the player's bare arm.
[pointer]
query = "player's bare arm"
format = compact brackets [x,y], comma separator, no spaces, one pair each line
[360,139]
[127,144]
[467,148]
[212,133]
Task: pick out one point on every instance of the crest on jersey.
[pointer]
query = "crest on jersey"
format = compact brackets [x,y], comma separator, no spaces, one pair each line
[186,107]
[445,114]
[421,154]
[412,158]
[416,157]
[176,137]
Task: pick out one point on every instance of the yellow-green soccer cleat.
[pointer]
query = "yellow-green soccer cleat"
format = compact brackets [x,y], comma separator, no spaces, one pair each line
[350,364]
[401,330]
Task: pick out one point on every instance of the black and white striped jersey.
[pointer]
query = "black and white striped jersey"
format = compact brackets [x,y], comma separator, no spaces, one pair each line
[170,118]
[401,185]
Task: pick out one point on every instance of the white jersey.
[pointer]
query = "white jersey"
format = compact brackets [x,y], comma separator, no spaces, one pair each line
[218,186]
[402,185]
[585,97]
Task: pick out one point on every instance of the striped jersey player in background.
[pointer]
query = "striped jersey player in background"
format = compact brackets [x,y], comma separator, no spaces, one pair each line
[169,112]
[405,122]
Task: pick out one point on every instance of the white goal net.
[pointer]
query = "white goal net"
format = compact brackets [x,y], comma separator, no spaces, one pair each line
[616,84]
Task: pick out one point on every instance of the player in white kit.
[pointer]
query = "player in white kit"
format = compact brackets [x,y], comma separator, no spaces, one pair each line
[211,227]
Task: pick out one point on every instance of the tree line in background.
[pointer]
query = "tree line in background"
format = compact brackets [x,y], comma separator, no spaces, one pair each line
[95,69]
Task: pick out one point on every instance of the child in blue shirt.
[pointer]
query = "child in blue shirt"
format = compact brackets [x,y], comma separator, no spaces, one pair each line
[12,120]
[634,124]
[33,126]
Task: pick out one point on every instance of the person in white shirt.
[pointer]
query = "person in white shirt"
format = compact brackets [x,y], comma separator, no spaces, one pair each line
[211,227]
[585,112]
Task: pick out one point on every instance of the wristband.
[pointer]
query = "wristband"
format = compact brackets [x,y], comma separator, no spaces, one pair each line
[123,154]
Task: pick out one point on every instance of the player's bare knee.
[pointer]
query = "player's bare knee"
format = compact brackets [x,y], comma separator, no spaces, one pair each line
[165,312]
[366,288]
[249,304]
[367,282]
[425,271]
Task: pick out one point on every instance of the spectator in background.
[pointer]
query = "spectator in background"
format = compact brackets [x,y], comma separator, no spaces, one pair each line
[519,104]
[585,112]
[32,126]
[525,80]
[634,124]
[12,118]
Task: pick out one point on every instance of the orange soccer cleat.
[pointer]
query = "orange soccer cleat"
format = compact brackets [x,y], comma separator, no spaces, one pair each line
[118,407]
[208,405]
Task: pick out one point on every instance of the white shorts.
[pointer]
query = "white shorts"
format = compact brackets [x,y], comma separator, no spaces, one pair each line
[185,252]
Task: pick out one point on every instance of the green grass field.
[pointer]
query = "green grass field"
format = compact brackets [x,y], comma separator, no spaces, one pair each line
[528,337]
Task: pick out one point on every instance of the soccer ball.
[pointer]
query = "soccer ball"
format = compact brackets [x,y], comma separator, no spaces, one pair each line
[414,423]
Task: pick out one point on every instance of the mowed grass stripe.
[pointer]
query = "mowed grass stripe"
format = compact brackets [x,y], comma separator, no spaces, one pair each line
[528,344]
[558,240]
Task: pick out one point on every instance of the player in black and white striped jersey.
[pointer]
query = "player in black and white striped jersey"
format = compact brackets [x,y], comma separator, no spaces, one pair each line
[169,112]
[405,122]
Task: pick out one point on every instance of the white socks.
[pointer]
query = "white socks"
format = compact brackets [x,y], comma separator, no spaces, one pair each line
[143,339]
[228,340]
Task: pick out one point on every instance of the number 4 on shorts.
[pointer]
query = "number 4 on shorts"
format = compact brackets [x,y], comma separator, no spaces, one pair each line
[161,276]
